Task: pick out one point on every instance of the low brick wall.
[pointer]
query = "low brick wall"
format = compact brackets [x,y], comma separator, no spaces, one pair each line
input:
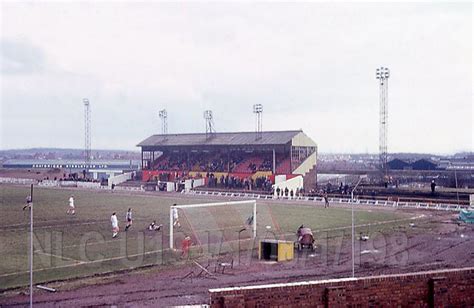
[454,287]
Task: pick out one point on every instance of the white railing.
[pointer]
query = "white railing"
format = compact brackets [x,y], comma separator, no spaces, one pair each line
[342,201]
[129,188]
[48,183]
[68,184]
[92,185]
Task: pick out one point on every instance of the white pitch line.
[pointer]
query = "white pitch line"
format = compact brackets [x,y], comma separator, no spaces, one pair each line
[25,225]
[84,263]
[98,243]
[70,224]
[5,228]
[361,225]
[59,257]
[374,223]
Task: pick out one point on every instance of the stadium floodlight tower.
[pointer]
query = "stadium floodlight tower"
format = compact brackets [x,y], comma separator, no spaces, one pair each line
[163,114]
[258,110]
[87,131]
[209,123]
[382,74]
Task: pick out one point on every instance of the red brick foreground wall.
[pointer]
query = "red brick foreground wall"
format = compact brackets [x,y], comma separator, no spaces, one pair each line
[442,288]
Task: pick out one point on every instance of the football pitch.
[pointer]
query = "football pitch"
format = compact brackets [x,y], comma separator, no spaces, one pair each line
[72,246]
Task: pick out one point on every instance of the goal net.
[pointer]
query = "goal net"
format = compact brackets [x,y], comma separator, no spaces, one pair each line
[222,224]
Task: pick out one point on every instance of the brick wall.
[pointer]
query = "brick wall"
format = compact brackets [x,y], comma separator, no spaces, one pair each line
[454,287]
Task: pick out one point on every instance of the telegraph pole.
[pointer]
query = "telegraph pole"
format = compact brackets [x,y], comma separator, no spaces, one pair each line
[31,246]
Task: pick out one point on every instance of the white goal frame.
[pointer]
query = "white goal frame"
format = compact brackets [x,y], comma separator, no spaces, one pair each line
[229,203]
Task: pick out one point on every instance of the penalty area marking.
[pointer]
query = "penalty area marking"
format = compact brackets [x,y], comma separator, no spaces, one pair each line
[160,250]
[59,257]
[364,225]
[66,224]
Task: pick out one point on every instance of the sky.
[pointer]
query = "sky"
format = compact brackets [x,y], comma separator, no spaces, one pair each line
[311,66]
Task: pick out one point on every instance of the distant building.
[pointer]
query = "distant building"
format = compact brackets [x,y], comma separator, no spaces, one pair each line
[421,164]
[398,164]
[98,169]
[424,164]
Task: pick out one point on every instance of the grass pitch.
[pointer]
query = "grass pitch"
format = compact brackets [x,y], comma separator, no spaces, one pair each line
[81,245]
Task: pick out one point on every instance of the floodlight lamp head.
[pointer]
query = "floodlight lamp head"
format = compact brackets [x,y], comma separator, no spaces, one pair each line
[382,74]
[163,113]
[86,101]
[257,108]
[208,114]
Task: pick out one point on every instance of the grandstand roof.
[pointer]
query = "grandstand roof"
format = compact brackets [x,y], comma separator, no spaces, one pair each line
[222,139]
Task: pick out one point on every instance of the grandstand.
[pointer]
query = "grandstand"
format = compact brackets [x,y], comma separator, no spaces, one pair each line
[239,157]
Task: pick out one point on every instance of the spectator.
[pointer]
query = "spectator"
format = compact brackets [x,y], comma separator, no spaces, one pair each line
[326,200]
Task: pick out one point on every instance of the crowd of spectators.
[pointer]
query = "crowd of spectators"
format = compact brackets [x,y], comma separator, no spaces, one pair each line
[76,177]
[211,162]
[231,182]
[280,192]
[267,164]
[263,165]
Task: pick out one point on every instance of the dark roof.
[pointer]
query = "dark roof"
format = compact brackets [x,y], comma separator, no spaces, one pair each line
[241,138]
[398,164]
[423,164]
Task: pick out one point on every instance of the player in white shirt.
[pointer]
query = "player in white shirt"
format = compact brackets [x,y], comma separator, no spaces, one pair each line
[176,217]
[71,209]
[115,227]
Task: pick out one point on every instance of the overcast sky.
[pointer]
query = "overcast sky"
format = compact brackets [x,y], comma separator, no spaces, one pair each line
[312,66]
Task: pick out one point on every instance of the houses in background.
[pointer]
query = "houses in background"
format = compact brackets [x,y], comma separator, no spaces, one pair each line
[455,163]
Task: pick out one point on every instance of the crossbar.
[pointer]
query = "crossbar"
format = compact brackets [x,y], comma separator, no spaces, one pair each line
[213,204]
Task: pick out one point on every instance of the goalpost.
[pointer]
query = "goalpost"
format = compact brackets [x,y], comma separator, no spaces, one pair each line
[252,203]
